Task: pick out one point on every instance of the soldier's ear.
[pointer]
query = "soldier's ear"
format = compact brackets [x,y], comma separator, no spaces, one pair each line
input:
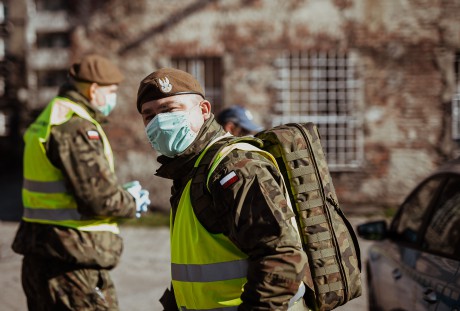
[92,91]
[205,109]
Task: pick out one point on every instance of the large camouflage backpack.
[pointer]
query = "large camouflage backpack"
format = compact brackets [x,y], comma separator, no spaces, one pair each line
[327,236]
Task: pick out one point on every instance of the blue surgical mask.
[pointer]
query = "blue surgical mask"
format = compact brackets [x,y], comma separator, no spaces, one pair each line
[170,133]
[110,103]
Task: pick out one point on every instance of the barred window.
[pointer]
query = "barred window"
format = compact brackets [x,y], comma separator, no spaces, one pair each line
[53,40]
[208,72]
[322,87]
[51,5]
[456,101]
[51,78]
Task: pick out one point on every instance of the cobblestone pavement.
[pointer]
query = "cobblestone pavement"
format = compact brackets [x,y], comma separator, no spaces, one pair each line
[140,278]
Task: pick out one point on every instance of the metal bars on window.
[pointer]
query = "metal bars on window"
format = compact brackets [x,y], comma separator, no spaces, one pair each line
[208,72]
[323,88]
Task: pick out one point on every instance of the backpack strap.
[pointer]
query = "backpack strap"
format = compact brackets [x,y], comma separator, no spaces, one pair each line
[199,194]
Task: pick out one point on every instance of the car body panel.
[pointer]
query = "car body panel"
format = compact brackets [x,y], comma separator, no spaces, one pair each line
[415,262]
[391,286]
[435,276]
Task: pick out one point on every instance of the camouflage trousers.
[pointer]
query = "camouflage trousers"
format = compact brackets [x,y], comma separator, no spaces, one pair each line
[60,286]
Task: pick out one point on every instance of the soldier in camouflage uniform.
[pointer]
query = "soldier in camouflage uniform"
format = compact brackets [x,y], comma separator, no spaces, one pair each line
[247,206]
[68,235]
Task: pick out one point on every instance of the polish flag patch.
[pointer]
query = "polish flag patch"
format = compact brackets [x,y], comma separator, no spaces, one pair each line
[93,135]
[229,180]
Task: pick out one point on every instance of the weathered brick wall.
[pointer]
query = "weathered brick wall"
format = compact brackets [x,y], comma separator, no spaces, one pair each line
[408,84]
[406,52]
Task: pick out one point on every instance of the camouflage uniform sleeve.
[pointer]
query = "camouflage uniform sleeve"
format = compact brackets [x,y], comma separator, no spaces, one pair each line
[87,171]
[257,219]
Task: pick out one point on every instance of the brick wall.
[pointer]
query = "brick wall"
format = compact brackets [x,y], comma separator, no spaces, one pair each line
[405,51]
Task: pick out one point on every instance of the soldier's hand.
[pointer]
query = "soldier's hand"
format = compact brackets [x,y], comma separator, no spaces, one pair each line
[141,196]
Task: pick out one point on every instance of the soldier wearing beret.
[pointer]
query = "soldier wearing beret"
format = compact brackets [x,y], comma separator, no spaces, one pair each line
[234,245]
[72,198]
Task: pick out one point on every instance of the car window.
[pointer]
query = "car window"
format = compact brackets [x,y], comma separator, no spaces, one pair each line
[410,217]
[443,231]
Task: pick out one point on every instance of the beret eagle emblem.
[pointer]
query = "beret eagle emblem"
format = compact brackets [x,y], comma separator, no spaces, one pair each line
[166,86]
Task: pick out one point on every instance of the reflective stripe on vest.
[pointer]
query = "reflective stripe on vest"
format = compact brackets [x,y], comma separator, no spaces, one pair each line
[208,271]
[44,186]
[46,198]
[51,214]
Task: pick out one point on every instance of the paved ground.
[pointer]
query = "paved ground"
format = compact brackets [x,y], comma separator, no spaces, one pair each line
[141,277]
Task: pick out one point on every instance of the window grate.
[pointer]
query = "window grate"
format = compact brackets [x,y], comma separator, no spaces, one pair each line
[51,5]
[456,101]
[51,78]
[322,87]
[53,40]
[208,72]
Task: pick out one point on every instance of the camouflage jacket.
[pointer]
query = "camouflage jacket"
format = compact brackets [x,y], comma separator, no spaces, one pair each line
[253,213]
[96,190]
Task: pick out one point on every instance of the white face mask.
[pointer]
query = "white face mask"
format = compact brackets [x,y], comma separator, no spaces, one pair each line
[110,103]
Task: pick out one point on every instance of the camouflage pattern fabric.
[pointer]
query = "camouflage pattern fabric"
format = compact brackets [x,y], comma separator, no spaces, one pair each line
[88,249]
[97,192]
[82,159]
[50,285]
[328,237]
[253,213]
[96,189]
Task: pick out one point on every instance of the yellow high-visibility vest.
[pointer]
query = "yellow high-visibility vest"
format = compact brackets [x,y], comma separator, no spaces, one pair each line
[208,271]
[45,197]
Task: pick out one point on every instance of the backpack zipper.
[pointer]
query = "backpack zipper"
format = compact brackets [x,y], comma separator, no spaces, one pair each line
[325,199]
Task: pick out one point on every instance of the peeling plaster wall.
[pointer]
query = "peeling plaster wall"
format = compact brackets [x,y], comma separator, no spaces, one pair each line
[405,49]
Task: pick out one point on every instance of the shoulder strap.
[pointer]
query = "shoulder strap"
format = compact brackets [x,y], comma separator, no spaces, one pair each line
[199,194]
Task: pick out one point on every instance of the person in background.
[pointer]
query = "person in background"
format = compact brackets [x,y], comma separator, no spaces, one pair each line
[238,121]
[72,199]
[234,240]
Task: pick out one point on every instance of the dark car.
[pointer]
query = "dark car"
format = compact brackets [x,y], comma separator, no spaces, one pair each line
[414,263]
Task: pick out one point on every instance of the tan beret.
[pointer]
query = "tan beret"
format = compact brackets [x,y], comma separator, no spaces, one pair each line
[98,69]
[167,82]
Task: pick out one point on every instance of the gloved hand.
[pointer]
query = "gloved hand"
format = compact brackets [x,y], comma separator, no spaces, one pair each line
[141,196]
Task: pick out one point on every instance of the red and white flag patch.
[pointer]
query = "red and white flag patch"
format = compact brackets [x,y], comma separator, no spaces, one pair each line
[229,180]
[93,135]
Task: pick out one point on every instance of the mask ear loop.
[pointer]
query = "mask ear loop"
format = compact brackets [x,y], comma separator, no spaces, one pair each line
[197,105]
[151,121]
[188,115]
[190,111]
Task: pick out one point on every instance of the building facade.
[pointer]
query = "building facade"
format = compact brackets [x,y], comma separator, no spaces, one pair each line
[380,78]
